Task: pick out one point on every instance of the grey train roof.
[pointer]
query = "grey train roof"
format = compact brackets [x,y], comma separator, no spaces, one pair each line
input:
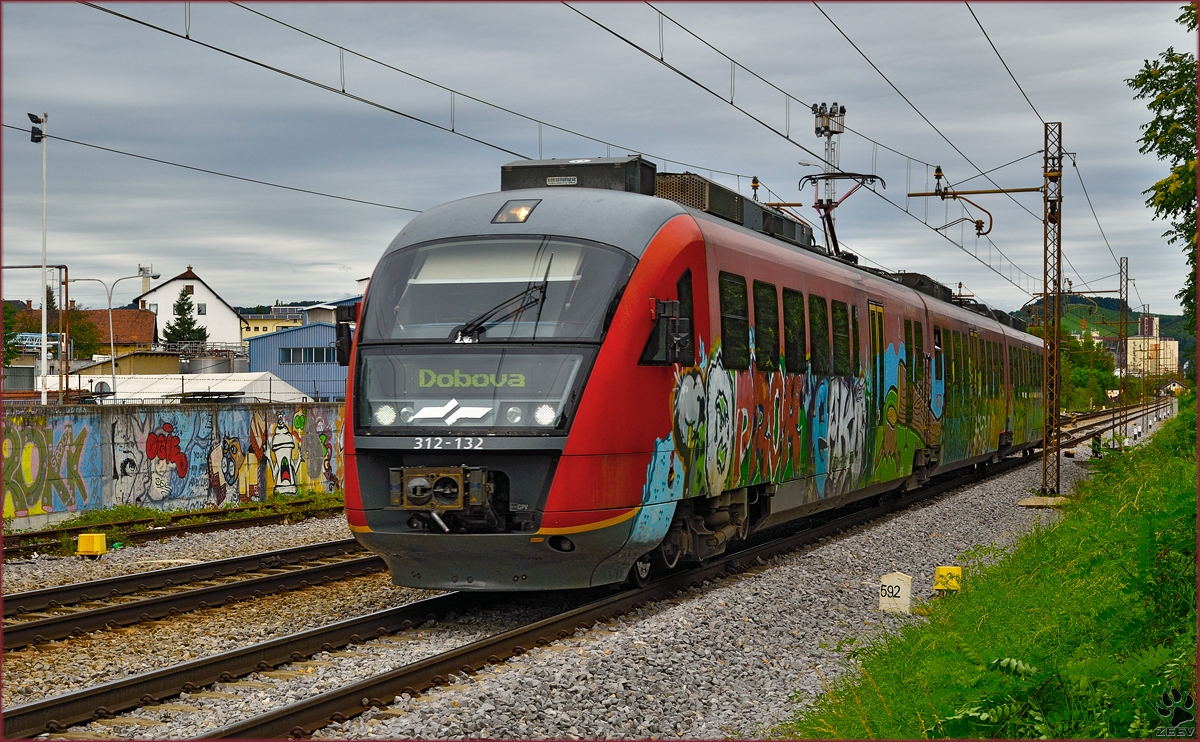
[625,220]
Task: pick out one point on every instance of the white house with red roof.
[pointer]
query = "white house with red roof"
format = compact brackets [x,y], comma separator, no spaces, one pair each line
[211,311]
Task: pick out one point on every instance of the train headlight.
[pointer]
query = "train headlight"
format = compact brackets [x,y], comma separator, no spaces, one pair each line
[544,415]
[385,414]
[406,414]
[514,414]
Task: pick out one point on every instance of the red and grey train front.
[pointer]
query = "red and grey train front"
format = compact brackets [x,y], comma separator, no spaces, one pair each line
[476,340]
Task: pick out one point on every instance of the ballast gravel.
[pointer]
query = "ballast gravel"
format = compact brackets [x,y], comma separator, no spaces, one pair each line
[21,575]
[728,659]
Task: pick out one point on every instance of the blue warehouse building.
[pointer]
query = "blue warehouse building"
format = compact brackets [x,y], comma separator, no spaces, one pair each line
[304,357]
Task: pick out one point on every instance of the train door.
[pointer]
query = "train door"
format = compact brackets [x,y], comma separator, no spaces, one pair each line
[878,390]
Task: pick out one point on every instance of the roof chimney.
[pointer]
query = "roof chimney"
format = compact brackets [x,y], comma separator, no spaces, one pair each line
[29,304]
[72,307]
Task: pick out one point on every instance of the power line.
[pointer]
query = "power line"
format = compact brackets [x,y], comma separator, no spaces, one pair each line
[772,85]
[215,172]
[1001,58]
[470,97]
[695,82]
[918,111]
[998,167]
[307,80]
[785,136]
[1093,208]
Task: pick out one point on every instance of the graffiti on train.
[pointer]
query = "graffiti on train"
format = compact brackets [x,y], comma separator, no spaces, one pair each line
[51,464]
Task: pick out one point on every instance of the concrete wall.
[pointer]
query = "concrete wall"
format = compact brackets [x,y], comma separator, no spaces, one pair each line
[61,460]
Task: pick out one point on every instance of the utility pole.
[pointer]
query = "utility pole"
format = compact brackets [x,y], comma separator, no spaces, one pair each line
[1052,305]
[1051,190]
[1123,340]
[36,135]
[830,121]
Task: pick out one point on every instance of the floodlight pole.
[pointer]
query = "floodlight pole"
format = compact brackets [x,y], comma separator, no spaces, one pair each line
[45,362]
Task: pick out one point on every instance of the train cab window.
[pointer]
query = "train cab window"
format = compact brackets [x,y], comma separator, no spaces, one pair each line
[841,338]
[793,332]
[855,340]
[818,335]
[512,288]
[938,362]
[766,326]
[683,288]
[735,321]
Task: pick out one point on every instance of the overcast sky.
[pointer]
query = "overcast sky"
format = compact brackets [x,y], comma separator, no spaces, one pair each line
[110,82]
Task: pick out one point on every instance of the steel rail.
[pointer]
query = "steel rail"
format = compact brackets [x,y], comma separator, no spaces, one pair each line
[159,606]
[103,701]
[314,712]
[52,539]
[53,532]
[79,592]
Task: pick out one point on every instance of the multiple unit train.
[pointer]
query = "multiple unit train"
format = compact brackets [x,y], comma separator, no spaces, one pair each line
[562,386]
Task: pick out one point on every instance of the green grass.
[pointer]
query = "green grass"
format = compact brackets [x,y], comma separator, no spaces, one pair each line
[1075,633]
[105,520]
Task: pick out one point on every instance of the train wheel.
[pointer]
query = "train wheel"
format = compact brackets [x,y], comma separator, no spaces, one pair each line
[668,552]
[639,573]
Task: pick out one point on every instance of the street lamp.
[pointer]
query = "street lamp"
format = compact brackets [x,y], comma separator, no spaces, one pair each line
[112,346]
[38,134]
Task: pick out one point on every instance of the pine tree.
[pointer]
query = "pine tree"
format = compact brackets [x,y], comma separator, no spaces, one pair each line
[1169,83]
[183,328]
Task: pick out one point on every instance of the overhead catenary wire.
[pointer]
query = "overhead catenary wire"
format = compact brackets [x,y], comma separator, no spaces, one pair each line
[214,172]
[787,96]
[1001,58]
[821,159]
[911,105]
[460,94]
[306,80]
[454,93]
[1043,120]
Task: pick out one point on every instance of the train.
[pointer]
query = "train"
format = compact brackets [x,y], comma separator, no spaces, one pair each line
[601,372]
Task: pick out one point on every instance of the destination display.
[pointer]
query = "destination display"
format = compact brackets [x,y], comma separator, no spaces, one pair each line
[511,388]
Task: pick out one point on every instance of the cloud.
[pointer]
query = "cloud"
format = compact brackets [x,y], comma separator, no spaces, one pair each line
[113,83]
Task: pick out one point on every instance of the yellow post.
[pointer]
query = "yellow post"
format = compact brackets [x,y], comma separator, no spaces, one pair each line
[91,544]
[947,578]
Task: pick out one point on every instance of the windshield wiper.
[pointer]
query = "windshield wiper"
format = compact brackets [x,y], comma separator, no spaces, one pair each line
[533,295]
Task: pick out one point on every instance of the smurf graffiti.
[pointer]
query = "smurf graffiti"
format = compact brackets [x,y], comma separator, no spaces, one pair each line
[169,456]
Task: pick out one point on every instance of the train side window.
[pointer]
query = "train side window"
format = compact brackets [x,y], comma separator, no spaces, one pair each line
[855,340]
[735,322]
[684,288]
[793,331]
[766,326]
[818,335]
[938,362]
[841,338]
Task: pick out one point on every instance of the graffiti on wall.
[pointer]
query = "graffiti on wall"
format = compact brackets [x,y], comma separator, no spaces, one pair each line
[51,464]
[169,456]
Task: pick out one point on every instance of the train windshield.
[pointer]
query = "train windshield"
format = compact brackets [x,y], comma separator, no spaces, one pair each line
[494,289]
[521,389]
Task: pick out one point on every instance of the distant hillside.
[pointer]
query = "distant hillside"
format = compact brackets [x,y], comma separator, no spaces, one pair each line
[1079,312]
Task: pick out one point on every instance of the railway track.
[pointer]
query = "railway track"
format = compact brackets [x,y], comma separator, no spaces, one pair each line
[25,543]
[107,700]
[69,610]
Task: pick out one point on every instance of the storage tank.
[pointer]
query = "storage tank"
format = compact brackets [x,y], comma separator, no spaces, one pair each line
[241,365]
[205,365]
